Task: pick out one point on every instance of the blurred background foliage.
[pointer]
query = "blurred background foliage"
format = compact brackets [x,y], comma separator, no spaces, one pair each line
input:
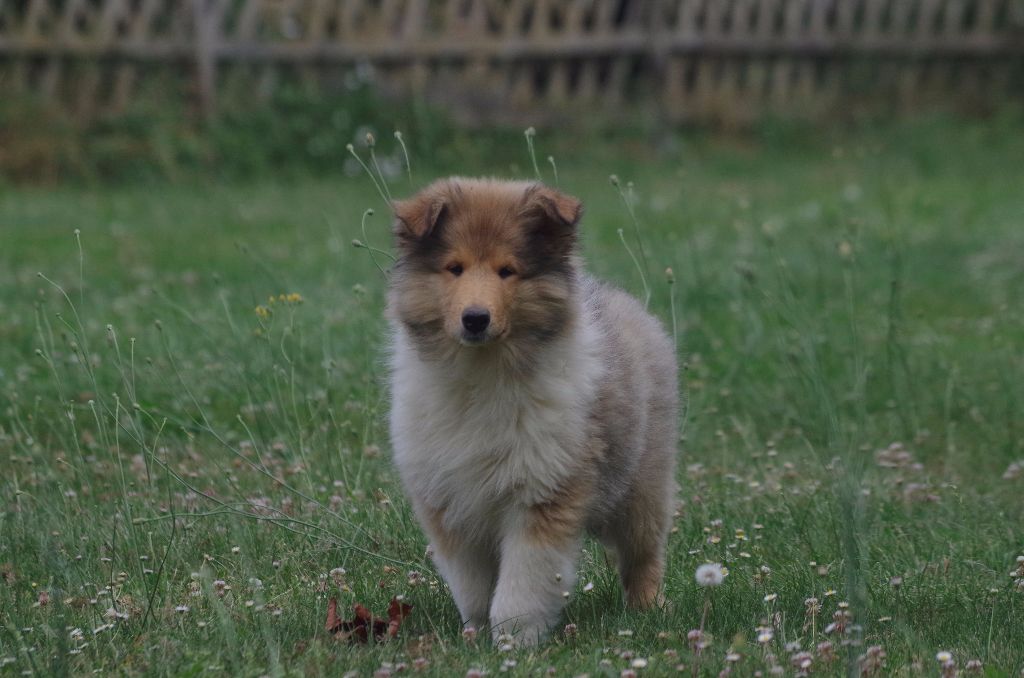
[299,133]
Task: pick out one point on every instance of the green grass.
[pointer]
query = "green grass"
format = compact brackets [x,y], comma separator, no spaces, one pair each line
[835,293]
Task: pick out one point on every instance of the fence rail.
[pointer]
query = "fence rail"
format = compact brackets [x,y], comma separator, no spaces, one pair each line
[521,58]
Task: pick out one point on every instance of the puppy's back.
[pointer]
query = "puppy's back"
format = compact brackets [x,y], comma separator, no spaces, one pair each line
[636,412]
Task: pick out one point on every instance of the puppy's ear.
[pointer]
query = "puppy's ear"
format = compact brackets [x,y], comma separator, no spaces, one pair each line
[562,210]
[420,215]
[551,217]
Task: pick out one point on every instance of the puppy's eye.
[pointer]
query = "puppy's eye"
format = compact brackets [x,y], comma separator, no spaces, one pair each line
[455,269]
[506,271]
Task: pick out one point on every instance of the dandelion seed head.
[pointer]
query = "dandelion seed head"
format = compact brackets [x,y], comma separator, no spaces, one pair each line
[710,574]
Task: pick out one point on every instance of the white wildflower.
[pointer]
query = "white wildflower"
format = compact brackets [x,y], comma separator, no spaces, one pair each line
[710,574]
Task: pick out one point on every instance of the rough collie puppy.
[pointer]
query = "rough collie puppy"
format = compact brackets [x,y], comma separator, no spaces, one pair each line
[531,403]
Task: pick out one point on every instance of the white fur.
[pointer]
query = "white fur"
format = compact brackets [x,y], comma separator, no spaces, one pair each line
[481,442]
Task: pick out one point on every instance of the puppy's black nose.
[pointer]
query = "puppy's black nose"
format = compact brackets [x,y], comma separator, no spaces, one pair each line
[476,319]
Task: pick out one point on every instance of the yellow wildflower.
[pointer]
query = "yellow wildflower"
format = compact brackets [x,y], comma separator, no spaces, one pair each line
[290,298]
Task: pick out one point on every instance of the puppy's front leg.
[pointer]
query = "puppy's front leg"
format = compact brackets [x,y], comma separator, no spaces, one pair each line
[467,566]
[539,552]
[469,571]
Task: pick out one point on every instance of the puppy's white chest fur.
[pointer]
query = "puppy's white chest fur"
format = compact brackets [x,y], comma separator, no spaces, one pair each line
[476,439]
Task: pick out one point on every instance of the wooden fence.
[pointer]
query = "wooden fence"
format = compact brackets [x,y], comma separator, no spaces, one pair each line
[511,60]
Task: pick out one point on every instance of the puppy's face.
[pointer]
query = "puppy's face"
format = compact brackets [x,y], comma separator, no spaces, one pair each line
[483,261]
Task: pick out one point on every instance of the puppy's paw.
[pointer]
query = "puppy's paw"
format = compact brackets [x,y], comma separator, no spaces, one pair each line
[517,635]
[648,601]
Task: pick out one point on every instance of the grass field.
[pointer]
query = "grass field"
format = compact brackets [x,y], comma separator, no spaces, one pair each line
[187,481]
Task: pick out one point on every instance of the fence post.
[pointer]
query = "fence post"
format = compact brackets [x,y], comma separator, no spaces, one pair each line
[206,31]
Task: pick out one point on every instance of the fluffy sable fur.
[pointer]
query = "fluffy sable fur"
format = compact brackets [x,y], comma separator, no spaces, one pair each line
[558,418]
